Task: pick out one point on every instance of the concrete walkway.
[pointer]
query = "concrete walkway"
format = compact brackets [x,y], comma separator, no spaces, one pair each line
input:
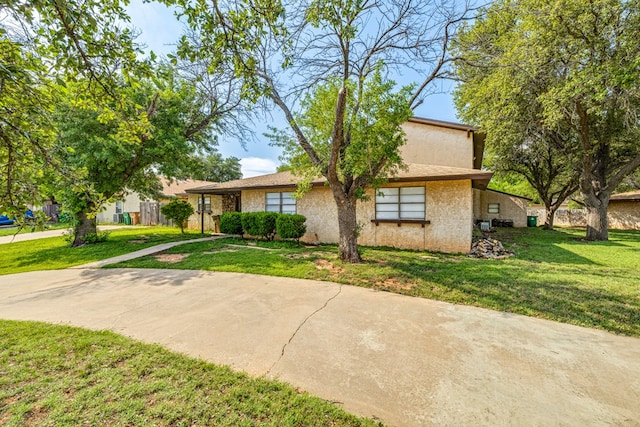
[23,237]
[407,361]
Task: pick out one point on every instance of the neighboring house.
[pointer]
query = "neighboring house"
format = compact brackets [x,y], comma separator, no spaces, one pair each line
[147,212]
[429,206]
[624,211]
[500,208]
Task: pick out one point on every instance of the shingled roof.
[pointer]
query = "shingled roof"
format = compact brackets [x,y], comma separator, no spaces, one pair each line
[631,196]
[414,172]
[178,187]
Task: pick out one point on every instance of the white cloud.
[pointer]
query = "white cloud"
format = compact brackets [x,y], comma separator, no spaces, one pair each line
[254,166]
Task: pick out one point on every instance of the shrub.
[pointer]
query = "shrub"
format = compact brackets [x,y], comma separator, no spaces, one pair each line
[179,211]
[260,224]
[291,226]
[231,223]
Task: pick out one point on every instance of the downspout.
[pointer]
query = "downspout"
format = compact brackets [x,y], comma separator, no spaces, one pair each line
[202,213]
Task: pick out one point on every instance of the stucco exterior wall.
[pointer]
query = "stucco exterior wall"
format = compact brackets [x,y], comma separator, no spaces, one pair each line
[317,205]
[449,208]
[513,208]
[624,215]
[435,145]
[209,218]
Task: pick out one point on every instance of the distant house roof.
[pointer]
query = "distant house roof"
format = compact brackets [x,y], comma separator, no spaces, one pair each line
[178,187]
[414,172]
[631,196]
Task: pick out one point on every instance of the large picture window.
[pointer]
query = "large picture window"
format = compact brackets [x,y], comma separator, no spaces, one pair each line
[280,202]
[400,203]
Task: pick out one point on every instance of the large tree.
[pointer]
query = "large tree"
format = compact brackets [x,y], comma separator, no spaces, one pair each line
[286,51]
[42,42]
[566,72]
[118,145]
[214,167]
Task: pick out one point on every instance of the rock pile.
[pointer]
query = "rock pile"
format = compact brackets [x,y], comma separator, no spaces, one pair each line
[488,248]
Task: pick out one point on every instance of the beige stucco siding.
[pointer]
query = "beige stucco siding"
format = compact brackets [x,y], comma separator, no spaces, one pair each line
[624,215]
[435,145]
[131,203]
[317,205]
[320,209]
[513,208]
[209,218]
[448,207]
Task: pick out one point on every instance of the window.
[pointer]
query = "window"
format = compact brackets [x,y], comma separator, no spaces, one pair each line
[493,208]
[280,202]
[400,203]
[119,206]
[207,204]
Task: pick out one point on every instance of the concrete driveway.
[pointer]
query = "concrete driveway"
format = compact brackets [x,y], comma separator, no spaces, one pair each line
[407,361]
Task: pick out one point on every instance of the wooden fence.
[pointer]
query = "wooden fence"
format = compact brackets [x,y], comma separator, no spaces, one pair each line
[150,214]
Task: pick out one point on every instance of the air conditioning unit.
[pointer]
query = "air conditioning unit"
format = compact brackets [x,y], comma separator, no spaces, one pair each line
[485,225]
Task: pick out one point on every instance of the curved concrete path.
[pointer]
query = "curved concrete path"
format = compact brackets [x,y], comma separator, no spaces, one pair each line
[23,237]
[407,361]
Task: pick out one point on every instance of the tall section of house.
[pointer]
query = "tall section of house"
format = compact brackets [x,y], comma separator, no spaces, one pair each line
[427,206]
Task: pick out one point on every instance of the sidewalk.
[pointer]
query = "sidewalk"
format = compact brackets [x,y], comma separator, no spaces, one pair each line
[23,237]
[143,252]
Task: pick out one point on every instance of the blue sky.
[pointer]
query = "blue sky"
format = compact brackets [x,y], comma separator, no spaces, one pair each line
[160,31]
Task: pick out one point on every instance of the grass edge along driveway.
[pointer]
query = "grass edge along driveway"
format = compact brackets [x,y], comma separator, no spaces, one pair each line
[54,253]
[61,375]
[555,275]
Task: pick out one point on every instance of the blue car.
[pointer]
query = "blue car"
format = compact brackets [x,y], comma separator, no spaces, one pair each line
[4,220]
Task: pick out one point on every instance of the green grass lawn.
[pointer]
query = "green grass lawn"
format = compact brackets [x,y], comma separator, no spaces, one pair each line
[555,274]
[55,253]
[58,375]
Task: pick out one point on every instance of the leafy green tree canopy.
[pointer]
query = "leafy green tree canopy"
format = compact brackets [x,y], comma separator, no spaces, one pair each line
[213,167]
[559,75]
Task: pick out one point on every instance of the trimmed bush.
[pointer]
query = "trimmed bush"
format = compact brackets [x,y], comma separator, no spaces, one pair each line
[260,224]
[291,226]
[231,223]
[178,211]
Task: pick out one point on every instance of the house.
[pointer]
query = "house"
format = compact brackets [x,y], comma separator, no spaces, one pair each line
[624,211]
[144,211]
[431,205]
[499,208]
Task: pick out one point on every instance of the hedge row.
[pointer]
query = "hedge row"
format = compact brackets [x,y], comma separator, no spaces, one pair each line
[264,224]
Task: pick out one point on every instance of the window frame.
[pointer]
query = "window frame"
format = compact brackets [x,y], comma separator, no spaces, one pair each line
[283,196]
[495,211]
[207,206]
[405,210]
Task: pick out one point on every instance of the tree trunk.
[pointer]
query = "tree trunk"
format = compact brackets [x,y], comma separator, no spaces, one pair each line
[348,227]
[85,227]
[551,216]
[597,222]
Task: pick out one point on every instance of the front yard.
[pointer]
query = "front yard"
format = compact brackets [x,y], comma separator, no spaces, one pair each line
[62,376]
[554,275]
[55,253]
